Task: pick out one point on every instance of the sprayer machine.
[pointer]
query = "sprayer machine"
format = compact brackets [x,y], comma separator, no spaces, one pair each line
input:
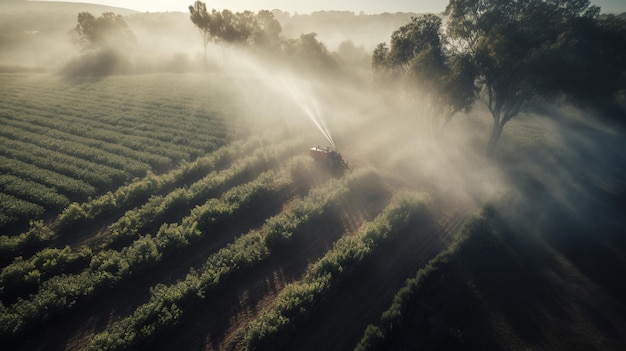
[329,157]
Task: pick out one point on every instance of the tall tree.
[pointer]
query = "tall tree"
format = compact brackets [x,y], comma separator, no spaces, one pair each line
[204,21]
[509,41]
[417,56]
[596,51]
[97,32]
[240,28]
[268,35]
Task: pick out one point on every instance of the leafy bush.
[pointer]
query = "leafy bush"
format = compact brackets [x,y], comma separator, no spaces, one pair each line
[297,301]
[377,336]
[247,250]
[37,235]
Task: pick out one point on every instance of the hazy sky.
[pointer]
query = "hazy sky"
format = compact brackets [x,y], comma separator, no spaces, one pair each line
[368,6]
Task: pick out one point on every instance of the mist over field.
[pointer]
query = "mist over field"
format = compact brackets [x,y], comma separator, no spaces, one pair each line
[481,205]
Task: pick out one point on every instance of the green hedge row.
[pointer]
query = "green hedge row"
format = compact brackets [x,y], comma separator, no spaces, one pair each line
[154,160]
[168,303]
[149,141]
[296,301]
[13,209]
[99,176]
[70,187]
[36,236]
[109,267]
[32,192]
[23,276]
[379,335]
[130,225]
[140,190]
[75,149]
[157,207]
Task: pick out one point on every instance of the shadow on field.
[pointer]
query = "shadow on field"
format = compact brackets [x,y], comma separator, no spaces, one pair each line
[546,271]
[339,322]
[72,329]
[215,321]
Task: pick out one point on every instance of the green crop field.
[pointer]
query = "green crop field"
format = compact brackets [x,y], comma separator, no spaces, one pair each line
[156,212]
[63,142]
[161,194]
[156,187]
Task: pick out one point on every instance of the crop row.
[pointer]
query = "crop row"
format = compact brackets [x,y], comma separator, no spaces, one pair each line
[123,198]
[72,148]
[131,224]
[97,175]
[168,303]
[32,192]
[94,128]
[36,236]
[72,188]
[187,134]
[140,190]
[101,135]
[297,301]
[22,276]
[419,289]
[154,160]
[109,267]
[13,209]
[136,221]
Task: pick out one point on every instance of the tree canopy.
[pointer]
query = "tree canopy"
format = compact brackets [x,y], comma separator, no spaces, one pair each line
[417,55]
[529,49]
[97,32]
[226,27]
[262,32]
[507,54]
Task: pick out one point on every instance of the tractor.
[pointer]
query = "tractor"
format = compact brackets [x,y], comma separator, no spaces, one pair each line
[329,158]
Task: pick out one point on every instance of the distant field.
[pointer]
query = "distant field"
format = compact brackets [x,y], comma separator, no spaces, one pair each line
[62,142]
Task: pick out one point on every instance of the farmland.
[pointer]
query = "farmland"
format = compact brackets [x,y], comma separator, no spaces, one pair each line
[169,200]
[220,238]
[157,211]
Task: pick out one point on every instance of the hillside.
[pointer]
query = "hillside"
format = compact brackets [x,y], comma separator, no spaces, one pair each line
[58,7]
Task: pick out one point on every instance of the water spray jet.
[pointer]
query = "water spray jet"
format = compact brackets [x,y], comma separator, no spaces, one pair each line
[309,107]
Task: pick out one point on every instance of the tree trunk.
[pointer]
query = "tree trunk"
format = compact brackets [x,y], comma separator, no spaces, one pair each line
[494,136]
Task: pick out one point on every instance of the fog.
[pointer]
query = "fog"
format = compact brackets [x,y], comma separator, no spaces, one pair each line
[335,103]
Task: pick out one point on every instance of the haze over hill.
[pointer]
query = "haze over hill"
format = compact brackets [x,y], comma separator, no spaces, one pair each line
[368,7]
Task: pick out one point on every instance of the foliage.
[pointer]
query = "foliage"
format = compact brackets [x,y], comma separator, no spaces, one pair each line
[37,235]
[595,50]
[262,33]
[298,300]
[79,142]
[105,41]
[23,276]
[201,18]
[97,32]
[507,54]
[511,44]
[476,231]
[417,56]
[108,267]
[247,250]
[241,28]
